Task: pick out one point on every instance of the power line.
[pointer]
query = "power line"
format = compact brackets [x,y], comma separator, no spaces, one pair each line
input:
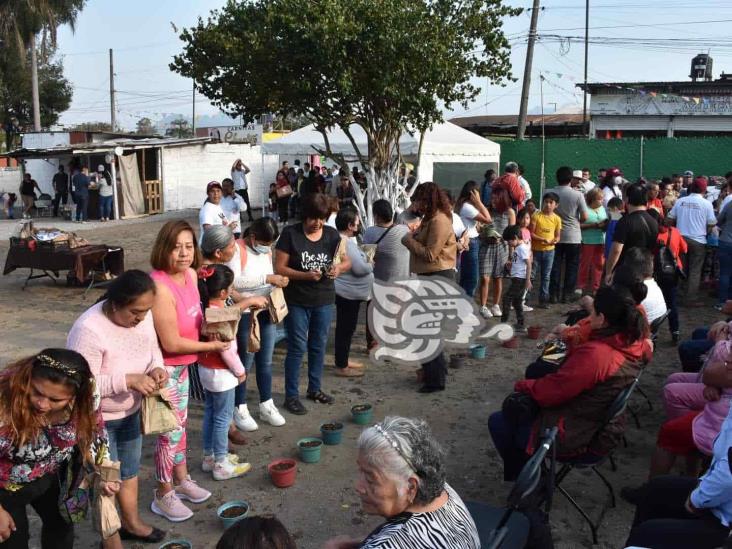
[645,25]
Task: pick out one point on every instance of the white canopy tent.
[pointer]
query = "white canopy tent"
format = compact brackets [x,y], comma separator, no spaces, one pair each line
[444,144]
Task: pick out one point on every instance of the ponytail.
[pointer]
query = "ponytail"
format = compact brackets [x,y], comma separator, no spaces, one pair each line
[617,304]
[212,279]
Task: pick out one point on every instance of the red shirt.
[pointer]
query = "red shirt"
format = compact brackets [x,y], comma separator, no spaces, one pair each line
[656,204]
[672,239]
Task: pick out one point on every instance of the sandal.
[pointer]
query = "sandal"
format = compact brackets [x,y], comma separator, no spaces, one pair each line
[155,536]
[321,397]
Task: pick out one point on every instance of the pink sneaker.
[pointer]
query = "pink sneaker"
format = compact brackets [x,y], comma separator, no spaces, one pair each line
[190,491]
[170,506]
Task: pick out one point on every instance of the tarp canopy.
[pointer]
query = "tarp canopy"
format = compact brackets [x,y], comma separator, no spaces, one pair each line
[444,144]
[443,139]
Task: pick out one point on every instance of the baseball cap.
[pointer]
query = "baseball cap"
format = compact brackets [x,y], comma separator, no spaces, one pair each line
[614,172]
[688,173]
[701,184]
[213,184]
[100,168]
[577,174]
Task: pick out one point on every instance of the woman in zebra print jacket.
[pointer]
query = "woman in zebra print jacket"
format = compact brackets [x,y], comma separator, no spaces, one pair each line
[402,478]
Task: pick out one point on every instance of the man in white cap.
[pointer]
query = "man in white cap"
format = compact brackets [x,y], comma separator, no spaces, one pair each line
[106,193]
[577,181]
[587,183]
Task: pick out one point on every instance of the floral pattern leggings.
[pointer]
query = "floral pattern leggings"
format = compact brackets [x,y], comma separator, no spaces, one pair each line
[170,449]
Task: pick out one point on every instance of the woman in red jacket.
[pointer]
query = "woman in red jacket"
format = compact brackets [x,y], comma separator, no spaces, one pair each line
[577,396]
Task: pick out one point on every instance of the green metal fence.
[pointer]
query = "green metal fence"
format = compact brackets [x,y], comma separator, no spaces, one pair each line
[651,158]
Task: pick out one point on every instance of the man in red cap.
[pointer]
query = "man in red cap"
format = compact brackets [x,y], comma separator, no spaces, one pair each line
[694,217]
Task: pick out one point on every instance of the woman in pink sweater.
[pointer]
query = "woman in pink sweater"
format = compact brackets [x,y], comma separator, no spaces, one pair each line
[117,338]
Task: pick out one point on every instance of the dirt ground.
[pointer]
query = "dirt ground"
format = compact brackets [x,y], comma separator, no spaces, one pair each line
[323,502]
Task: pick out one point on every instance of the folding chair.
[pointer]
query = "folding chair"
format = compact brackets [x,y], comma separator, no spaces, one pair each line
[655,327]
[592,462]
[507,527]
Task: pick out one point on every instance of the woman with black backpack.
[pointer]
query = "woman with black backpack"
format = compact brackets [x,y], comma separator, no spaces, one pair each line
[671,245]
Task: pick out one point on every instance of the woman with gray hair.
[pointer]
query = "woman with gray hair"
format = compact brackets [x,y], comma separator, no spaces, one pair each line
[402,478]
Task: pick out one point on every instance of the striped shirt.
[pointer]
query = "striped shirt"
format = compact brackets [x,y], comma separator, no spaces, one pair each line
[449,527]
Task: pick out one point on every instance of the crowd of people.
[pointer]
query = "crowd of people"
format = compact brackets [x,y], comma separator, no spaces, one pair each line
[620,249]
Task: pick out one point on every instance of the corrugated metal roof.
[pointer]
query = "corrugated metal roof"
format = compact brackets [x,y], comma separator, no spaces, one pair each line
[508,120]
[106,146]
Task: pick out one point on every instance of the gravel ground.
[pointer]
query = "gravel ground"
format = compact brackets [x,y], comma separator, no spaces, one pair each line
[323,502]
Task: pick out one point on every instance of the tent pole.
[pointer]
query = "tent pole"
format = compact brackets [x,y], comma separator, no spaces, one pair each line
[114,184]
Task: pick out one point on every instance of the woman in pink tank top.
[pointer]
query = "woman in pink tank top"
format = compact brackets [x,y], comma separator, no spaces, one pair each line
[177,317]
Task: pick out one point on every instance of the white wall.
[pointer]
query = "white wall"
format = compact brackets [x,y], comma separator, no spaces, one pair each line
[188,169]
[10,180]
[43,170]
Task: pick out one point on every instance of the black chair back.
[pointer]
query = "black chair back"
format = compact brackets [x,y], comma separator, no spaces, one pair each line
[530,476]
[656,324]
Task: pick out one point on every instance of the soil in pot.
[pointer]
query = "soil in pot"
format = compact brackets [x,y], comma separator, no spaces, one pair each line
[361,408]
[332,426]
[310,444]
[233,512]
[282,467]
[175,545]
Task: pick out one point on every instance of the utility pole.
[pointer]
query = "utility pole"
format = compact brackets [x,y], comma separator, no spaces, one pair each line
[193,125]
[113,118]
[527,72]
[34,85]
[587,35]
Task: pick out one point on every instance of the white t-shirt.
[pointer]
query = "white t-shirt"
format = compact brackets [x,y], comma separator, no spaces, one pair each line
[586,186]
[525,186]
[210,214]
[693,214]
[232,207]
[458,226]
[654,304]
[467,215]
[519,256]
[240,180]
[331,221]
[609,193]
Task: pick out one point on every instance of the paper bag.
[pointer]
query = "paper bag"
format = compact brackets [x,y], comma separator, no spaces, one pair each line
[283,191]
[222,322]
[157,414]
[254,343]
[277,305]
[104,512]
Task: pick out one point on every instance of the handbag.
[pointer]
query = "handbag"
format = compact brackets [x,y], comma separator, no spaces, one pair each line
[157,415]
[284,191]
[277,305]
[75,489]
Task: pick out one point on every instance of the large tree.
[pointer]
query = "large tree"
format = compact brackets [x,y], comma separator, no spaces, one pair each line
[388,66]
[16,106]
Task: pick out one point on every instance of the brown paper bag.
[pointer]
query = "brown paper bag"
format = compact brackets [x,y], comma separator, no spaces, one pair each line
[157,414]
[277,305]
[104,512]
[222,322]
[254,342]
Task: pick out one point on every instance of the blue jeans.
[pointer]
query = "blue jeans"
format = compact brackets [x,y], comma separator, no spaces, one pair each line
[543,262]
[82,202]
[469,268]
[569,254]
[724,253]
[690,351]
[262,359]
[510,442]
[125,443]
[105,207]
[307,330]
[217,414]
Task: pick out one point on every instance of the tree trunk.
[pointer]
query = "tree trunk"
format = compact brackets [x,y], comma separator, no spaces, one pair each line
[34,85]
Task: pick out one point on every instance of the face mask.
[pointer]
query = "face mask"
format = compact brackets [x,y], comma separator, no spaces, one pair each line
[258,248]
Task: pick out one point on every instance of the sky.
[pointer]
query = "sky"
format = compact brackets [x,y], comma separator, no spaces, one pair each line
[631,41]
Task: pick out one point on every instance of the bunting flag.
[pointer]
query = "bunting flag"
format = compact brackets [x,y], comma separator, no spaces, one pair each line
[696,100]
[652,94]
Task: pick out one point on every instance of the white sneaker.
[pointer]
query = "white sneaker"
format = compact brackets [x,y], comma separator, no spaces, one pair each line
[243,420]
[207,465]
[485,312]
[526,308]
[496,310]
[269,413]
[225,470]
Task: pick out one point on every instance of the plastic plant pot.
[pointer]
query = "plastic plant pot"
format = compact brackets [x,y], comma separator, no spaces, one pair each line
[457,361]
[533,332]
[512,343]
[477,351]
[232,512]
[309,449]
[177,544]
[331,433]
[362,414]
[282,472]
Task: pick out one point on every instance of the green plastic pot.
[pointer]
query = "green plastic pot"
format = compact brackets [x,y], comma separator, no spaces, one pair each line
[362,414]
[332,436]
[230,521]
[309,454]
[177,543]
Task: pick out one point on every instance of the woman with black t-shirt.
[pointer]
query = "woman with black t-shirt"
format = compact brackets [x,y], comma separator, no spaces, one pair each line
[309,254]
